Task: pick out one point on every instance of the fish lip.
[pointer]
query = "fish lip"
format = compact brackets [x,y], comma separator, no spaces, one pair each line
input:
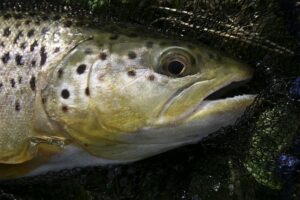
[205,101]
[182,118]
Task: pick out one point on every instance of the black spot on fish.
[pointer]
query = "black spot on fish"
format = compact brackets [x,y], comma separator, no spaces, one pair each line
[20,34]
[57,49]
[149,44]
[131,72]
[19,60]
[12,83]
[18,24]
[64,108]
[65,94]
[1,85]
[131,55]
[151,77]
[43,56]
[33,45]
[17,106]
[81,68]
[23,45]
[27,22]
[20,80]
[88,51]
[5,58]
[60,73]
[103,56]
[37,22]
[44,30]
[87,91]
[68,23]
[30,33]
[2,44]
[44,100]
[114,37]
[32,83]
[6,32]
[33,63]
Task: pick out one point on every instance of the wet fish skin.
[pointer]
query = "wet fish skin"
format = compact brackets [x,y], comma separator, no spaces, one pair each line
[112,96]
[30,46]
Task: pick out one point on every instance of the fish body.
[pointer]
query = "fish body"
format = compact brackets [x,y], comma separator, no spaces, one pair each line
[74,95]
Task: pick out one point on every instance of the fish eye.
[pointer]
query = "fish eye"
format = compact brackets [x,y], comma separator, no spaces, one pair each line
[175,67]
[176,62]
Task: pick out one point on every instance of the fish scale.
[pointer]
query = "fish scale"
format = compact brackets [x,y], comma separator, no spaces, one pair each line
[30,45]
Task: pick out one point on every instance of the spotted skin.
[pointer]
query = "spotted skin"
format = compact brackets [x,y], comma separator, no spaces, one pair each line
[68,88]
[29,46]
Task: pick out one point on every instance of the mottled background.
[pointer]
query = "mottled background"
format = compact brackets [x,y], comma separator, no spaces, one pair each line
[258,158]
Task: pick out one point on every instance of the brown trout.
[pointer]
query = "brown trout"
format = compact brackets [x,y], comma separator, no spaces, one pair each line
[75,96]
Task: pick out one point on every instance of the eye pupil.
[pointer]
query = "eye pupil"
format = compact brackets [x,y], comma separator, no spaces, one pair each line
[175,67]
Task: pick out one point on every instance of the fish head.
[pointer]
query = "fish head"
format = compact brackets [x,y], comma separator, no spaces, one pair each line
[128,99]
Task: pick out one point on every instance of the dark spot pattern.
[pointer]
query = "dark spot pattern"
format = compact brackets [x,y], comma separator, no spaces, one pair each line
[45,30]
[65,94]
[17,106]
[27,22]
[131,72]
[5,58]
[1,85]
[19,60]
[23,45]
[131,55]
[64,108]
[30,33]
[2,44]
[57,49]
[6,32]
[33,63]
[33,45]
[20,80]
[87,91]
[151,77]
[103,56]
[60,73]
[12,83]
[43,56]
[32,83]
[18,36]
[88,51]
[81,69]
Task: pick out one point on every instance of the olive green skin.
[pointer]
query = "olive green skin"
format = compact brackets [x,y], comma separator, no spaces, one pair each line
[110,95]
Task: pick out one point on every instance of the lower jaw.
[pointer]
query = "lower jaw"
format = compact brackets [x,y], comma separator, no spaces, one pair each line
[236,104]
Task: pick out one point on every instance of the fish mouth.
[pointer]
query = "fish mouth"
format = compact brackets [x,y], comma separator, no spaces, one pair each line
[237,92]
[232,92]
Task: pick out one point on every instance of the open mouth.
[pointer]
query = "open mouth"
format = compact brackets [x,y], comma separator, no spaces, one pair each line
[233,89]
